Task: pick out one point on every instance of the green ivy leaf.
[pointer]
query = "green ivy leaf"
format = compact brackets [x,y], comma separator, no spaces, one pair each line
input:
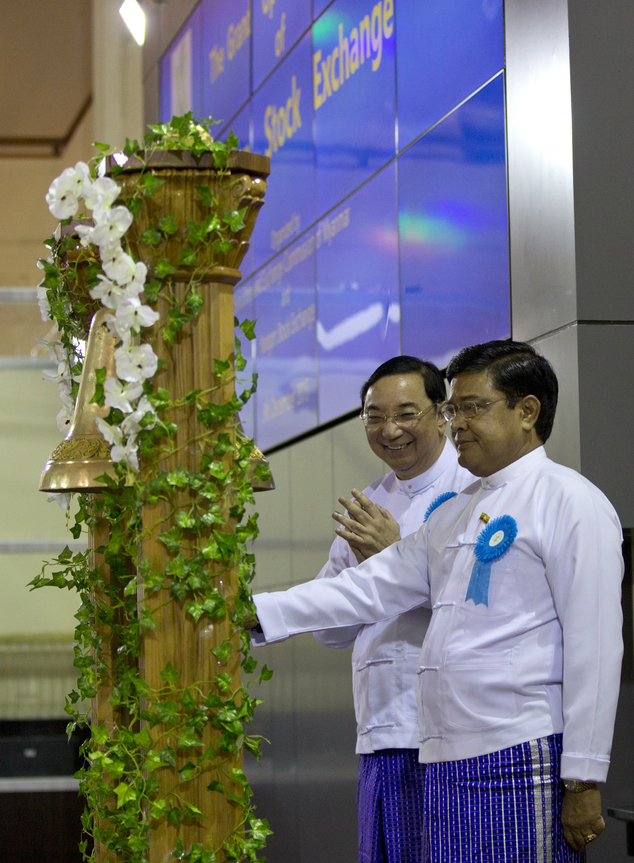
[168,225]
[216,786]
[146,621]
[100,734]
[169,674]
[206,195]
[124,793]
[158,809]
[168,755]
[174,816]
[134,205]
[188,257]
[151,237]
[142,738]
[163,268]
[265,674]
[149,184]
[178,477]
[196,232]
[248,328]
[171,539]
[221,366]
[249,664]
[223,651]
[152,289]
[195,302]
[186,520]
[239,776]
[189,769]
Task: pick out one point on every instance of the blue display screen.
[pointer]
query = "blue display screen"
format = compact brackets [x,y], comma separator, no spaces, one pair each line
[226,61]
[446,49]
[454,231]
[277,25]
[385,227]
[354,95]
[357,292]
[286,354]
[283,130]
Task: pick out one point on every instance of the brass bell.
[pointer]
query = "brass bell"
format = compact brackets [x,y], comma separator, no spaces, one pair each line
[85,454]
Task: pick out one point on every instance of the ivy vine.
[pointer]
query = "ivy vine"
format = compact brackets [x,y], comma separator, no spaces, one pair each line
[211,527]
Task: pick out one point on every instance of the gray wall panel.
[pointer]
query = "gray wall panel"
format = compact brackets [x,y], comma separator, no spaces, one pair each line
[606,360]
[602,75]
[540,167]
[305,783]
[560,347]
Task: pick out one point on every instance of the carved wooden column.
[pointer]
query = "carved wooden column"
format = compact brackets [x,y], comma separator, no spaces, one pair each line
[180,640]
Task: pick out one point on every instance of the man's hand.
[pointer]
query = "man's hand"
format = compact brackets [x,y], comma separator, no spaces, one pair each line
[581,817]
[368,528]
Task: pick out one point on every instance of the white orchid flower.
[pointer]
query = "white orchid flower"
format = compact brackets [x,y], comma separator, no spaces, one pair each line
[112,434]
[132,315]
[123,269]
[133,425]
[60,498]
[63,419]
[110,226]
[136,281]
[106,291]
[101,194]
[61,374]
[120,396]
[135,363]
[43,303]
[65,390]
[85,233]
[127,452]
[64,192]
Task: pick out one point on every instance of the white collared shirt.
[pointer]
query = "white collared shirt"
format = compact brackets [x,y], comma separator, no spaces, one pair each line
[385,655]
[542,657]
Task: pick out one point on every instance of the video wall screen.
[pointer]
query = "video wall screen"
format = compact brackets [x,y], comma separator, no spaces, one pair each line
[385,226]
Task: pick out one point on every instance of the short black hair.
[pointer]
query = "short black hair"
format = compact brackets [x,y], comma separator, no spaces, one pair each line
[517,370]
[403,365]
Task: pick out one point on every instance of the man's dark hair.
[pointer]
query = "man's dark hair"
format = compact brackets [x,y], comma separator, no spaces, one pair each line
[432,378]
[517,370]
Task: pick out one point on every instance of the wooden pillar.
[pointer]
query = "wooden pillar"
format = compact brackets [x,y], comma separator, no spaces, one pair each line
[180,640]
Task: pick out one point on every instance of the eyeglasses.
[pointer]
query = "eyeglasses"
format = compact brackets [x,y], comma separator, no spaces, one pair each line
[403,419]
[467,410]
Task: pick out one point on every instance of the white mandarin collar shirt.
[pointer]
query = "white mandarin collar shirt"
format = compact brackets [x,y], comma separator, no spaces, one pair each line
[541,657]
[385,654]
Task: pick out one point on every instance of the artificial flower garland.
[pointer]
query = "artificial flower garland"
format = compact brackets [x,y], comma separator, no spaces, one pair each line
[120,286]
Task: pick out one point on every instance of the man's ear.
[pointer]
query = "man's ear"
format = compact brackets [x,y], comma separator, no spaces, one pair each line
[530,408]
[441,422]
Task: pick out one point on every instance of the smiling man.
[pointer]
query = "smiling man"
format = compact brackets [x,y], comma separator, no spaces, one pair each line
[519,671]
[405,428]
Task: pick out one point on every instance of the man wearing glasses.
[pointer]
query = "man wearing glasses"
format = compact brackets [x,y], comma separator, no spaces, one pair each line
[405,428]
[519,672]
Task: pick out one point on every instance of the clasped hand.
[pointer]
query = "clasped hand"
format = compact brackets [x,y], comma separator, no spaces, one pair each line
[367,527]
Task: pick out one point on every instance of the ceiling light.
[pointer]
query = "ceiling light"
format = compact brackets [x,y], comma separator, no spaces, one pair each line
[134,17]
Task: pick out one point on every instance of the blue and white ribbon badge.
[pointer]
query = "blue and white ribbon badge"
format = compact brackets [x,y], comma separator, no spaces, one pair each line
[446,495]
[494,541]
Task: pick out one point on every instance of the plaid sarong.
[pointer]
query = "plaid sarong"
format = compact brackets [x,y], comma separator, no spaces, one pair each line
[498,808]
[390,803]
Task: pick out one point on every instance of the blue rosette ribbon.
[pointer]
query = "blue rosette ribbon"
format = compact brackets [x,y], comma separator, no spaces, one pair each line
[447,495]
[494,541]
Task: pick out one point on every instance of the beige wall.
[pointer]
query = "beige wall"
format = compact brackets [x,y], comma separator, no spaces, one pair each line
[29,404]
